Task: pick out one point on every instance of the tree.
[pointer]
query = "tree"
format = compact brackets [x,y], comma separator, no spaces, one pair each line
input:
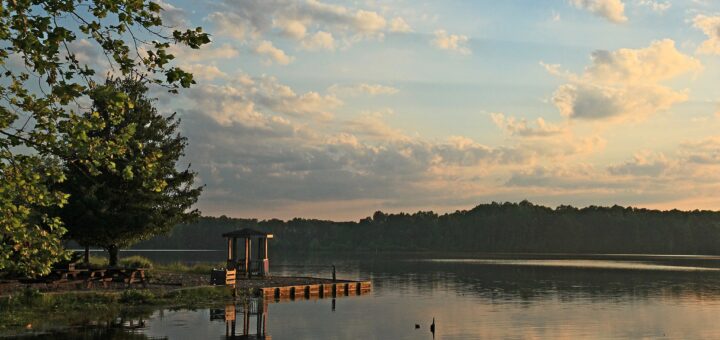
[43,88]
[117,209]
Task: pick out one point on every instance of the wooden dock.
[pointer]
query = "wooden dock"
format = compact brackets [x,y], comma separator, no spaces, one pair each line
[320,290]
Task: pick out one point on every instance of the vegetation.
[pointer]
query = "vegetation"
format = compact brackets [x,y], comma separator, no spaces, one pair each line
[496,227]
[136,262]
[42,119]
[33,308]
[114,209]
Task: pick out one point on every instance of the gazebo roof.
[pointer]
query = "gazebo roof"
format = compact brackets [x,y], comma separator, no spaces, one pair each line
[246,233]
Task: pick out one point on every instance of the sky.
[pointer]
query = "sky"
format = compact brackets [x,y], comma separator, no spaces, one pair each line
[336,109]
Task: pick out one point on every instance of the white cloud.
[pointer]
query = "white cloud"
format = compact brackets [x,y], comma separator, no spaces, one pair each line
[399,24]
[255,19]
[625,84]
[247,100]
[363,88]
[613,10]
[710,25]
[273,54]
[369,22]
[204,71]
[292,28]
[451,42]
[172,16]
[232,25]
[521,127]
[657,6]
[319,40]
[211,52]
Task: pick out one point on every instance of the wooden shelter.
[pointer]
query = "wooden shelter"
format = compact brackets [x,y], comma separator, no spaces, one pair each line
[243,262]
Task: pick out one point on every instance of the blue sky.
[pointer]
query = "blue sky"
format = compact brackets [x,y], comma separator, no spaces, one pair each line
[336,109]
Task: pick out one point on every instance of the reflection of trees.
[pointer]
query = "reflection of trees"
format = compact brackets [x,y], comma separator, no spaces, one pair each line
[110,324]
[499,283]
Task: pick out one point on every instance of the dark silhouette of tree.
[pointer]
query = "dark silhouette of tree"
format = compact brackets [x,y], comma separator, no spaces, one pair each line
[494,227]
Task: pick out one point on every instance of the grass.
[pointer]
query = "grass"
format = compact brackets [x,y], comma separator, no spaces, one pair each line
[197,268]
[35,310]
[98,261]
[136,262]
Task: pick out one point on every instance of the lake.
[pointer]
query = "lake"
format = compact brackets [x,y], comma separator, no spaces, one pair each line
[470,296]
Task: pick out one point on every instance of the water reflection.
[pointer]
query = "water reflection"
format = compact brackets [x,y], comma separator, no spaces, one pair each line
[252,311]
[529,297]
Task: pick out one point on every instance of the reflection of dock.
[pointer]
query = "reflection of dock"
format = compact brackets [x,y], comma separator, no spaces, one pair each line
[321,290]
[252,311]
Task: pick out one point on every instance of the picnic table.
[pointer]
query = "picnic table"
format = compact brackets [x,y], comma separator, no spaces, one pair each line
[127,275]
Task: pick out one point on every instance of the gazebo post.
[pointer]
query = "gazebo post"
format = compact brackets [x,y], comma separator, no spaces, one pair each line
[248,251]
[230,250]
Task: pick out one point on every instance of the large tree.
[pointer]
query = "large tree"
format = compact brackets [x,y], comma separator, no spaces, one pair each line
[113,209]
[42,91]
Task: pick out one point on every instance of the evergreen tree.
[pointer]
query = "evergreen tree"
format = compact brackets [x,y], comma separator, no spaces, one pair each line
[114,209]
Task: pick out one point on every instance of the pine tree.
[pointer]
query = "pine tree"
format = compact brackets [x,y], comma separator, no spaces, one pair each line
[148,196]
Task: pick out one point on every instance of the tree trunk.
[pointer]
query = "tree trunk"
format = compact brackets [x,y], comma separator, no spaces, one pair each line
[86,258]
[113,255]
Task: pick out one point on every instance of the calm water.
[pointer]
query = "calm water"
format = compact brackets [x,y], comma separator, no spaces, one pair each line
[508,296]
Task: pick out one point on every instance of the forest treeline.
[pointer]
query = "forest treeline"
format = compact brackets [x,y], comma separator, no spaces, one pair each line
[494,227]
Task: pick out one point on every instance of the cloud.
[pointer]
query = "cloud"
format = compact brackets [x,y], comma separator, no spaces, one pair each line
[710,25]
[255,19]
[642,164]
[243,100]
[657,6]
[372,125]
[369,22]
[704,151]
[204,71]
[521,127]
[240,164]
[232,25]
[292,28]
[172,16]
[451,42]
[399,24]
[211,52]
[613,10]
[273,54]
[363,88]
[624,84]
[319,41]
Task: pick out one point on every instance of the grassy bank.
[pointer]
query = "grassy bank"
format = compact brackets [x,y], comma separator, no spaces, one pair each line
[32,310]
[136,261]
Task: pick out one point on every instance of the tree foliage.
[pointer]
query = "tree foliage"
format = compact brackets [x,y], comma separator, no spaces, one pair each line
[115,209]
[495,227]
[42,91]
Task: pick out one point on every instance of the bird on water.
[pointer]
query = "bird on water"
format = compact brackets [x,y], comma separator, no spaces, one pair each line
[432,327]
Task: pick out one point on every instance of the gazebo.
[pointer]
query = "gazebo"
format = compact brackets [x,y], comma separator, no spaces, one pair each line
[246,265]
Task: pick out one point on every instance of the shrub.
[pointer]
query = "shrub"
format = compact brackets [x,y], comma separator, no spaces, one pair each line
[98,261]
[136,262]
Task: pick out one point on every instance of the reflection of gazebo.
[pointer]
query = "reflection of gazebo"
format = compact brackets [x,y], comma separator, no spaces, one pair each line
[245,265]
[251,309]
